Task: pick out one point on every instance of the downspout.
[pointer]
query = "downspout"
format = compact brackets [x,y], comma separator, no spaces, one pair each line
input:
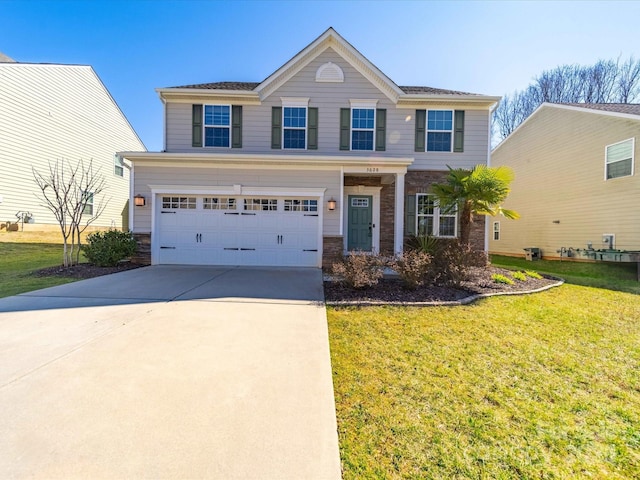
[487,223]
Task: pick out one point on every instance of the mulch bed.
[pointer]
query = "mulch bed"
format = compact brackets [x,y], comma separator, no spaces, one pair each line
[83,271]
[391,290]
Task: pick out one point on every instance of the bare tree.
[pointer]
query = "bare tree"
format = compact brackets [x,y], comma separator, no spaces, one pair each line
[604,82]
[73,193]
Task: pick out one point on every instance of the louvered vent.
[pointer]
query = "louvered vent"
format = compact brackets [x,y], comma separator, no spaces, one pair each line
[330,72]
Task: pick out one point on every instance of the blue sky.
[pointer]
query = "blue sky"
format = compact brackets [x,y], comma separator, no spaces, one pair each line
[136,46]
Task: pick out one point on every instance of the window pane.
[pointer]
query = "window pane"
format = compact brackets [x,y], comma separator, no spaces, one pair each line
[438,142]
[362,118]
[440,120]
[294,138]
[295,117]
[217,115]
[447,226]
[620,151]
[362,140]
[619,169]
[425,226]
[216,137]
[426,204]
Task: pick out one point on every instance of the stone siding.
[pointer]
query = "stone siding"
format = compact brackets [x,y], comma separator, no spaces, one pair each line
[143,252]
[332,248]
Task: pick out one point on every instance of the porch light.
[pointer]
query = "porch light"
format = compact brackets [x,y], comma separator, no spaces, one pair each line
[331,204]
[139,201]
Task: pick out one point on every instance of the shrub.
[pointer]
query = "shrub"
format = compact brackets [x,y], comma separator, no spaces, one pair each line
[412,267]
[359,270]
[424,243]
[520,276]
[106,249]
[452,262]
[496,277]
[532,274]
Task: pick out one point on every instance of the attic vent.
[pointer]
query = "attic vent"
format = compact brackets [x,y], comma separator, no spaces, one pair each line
[329,72]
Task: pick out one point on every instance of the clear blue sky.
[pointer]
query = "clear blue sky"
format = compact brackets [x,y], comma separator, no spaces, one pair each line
[483,47]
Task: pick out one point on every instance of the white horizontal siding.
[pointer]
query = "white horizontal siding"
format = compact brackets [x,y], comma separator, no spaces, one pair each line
[54,112]
[212,177]
[329,98]
[558,160]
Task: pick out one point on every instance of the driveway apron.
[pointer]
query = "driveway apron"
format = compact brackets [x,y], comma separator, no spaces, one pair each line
[169,372]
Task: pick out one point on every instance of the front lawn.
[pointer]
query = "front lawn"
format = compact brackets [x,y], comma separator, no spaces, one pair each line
[19,260]
[537,386]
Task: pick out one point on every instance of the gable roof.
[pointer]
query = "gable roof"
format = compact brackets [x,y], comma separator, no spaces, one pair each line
[329,39]
[6,59]
[620,110]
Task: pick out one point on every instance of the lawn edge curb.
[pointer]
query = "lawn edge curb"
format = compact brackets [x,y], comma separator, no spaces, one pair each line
[452,303]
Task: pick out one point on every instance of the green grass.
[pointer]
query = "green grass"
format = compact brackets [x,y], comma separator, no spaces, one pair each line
[537,386]
[612,276]
[20,259]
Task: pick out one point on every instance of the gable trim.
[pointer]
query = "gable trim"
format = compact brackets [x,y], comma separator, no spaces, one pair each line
[330,39]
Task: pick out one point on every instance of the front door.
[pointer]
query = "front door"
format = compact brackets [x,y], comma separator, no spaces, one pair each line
[359,221]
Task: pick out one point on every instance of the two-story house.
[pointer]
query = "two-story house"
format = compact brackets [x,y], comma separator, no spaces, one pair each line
[325,156]
[50,113]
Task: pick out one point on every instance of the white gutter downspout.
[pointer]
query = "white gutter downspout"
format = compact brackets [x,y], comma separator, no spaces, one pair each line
[486,224]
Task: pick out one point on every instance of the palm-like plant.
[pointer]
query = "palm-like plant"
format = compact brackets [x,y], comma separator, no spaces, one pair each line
[479,191]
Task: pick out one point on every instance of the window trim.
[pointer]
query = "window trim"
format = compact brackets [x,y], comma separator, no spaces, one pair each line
[496,231]
[451,132]
[437,215]
[205,126]
[362,105]
[607,163]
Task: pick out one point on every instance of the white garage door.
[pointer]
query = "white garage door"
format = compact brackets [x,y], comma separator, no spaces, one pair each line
[218,230]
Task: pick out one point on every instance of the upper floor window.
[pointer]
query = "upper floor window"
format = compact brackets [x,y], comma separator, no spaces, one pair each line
[118,166]
[294,127]
[619,159]
[87,199]
[217,125]
[439,130]
[362,128]
[431,220]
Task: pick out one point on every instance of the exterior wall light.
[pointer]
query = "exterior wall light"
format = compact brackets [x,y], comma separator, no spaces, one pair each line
[139,201]
[331,204]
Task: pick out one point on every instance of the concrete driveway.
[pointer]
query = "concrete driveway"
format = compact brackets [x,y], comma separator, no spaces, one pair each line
[169,372]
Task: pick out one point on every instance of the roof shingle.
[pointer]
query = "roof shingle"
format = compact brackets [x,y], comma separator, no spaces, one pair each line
[629,108]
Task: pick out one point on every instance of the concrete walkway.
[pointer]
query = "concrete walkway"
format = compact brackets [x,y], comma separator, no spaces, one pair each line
[169,372]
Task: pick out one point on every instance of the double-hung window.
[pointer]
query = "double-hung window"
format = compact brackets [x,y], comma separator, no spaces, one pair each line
[118,166]
[439,130]
[217,125]
[362,128]
[619,159]
[294,127]
[432,220]
[87,199]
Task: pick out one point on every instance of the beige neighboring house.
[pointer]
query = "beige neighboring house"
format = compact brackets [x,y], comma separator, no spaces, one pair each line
[324,156]
[50,112]
[576,182]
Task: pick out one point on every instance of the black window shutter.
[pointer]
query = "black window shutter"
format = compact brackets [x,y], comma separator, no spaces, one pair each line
[421,130]
[276,127]
[458,135]
[381,129]
[236,126]
[345,129]
[410,215]
[196,125]
[312,129]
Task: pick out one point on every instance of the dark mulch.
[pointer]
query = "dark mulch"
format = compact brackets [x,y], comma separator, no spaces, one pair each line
[391,290]
[83,271]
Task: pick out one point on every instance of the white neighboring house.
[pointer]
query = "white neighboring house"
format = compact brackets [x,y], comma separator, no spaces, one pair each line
[50,112]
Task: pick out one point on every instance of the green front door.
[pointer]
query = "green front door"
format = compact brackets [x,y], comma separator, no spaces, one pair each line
[359,221]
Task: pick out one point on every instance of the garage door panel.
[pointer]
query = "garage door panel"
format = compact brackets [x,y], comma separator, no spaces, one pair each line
[260,237]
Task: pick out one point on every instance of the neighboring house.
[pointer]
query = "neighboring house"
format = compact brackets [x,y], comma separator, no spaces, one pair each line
[50,112]
[575,181]
[325,156]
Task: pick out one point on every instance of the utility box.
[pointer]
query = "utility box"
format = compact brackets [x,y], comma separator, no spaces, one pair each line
[532,253]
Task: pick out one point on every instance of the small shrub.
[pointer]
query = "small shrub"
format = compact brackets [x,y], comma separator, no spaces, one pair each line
[520,276]
[359,270]
[412,267]
[532,274]
[452,262]
[424,243]
[496,277]
[106,249]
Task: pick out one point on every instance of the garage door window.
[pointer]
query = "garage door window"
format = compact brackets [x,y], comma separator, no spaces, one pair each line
[261,204]
[188,203]
[218,203]
[300,205]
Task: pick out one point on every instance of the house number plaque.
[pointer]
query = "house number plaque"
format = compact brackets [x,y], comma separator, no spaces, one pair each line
[372,169]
